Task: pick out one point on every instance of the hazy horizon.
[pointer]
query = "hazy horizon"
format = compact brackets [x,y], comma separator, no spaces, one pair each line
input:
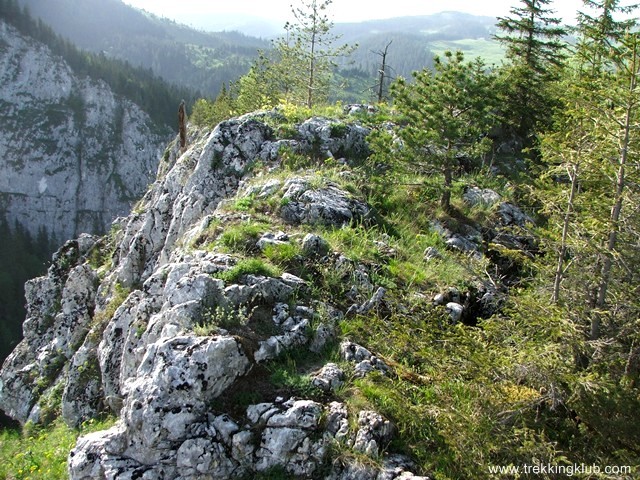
[276,12]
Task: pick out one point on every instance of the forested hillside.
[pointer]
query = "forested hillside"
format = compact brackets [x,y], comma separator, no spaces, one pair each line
[139,85]
[195,60]
[76,150]
[205,61]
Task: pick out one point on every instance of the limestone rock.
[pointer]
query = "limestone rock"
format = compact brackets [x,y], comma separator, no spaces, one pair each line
[73,154]
[373,303]
[333,139]
[327,205]
[314,245]
[126,339]
[59,309]
[175,380]
[473,196]
[330,377]
[365,361]
[511,214]
[374,433]
[271,238]
[455,311]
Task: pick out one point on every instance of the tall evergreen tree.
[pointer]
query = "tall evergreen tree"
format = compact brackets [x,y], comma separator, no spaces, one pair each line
[532,38]
[596,136]
[599,32]
[624,137]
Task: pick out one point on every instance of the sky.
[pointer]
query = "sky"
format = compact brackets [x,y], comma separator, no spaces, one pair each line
[186,11]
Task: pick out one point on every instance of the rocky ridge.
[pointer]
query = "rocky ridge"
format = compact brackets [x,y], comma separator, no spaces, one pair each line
[73,155]
[161,327]
[113,327]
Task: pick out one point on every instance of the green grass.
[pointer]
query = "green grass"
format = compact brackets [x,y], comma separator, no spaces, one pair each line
[249,266]
[41,453]
[489,50]
[283,254]
[221,317]
[242,237]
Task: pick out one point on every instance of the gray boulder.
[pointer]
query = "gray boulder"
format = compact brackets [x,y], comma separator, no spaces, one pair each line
[473,196]
[326,205]
[374,433]
[365,361]
[511,214]
[314,245]
[330,377]
[59,312]
[333,139]
[175,381]
[455,311]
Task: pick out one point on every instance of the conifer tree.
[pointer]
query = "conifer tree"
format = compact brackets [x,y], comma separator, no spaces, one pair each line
[449,111]
[313,44]
[600,32]
[625,142]
[595,138]
[298,69]
[532,38]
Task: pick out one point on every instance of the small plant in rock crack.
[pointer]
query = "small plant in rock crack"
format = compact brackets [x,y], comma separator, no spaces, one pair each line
[249,266]
[221,317]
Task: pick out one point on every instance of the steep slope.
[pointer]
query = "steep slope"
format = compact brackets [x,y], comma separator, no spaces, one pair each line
[73,155]
[277,306]
[160,326]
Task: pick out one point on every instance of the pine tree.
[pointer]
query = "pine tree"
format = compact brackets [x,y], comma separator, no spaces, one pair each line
[532,38]
[298,69]
[449,111]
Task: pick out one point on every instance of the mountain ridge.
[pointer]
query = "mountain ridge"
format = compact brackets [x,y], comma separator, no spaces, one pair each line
[205,61]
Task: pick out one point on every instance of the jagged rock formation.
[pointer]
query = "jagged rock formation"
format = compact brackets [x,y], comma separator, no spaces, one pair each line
[157,328]
[73,155]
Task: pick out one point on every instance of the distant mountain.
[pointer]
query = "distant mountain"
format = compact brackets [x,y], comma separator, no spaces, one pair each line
[181,55]
[204,61]
[440,26]
[250,25]
[414,38]
[413,43]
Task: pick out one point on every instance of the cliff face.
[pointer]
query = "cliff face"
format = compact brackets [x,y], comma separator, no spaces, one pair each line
[73,156]
[162,326]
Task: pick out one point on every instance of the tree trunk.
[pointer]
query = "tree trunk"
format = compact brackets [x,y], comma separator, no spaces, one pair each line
[383,72]
[616,209]
[565,233]
[445,200]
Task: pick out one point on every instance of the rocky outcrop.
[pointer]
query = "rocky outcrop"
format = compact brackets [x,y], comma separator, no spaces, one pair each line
[157,328]
[73,155]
